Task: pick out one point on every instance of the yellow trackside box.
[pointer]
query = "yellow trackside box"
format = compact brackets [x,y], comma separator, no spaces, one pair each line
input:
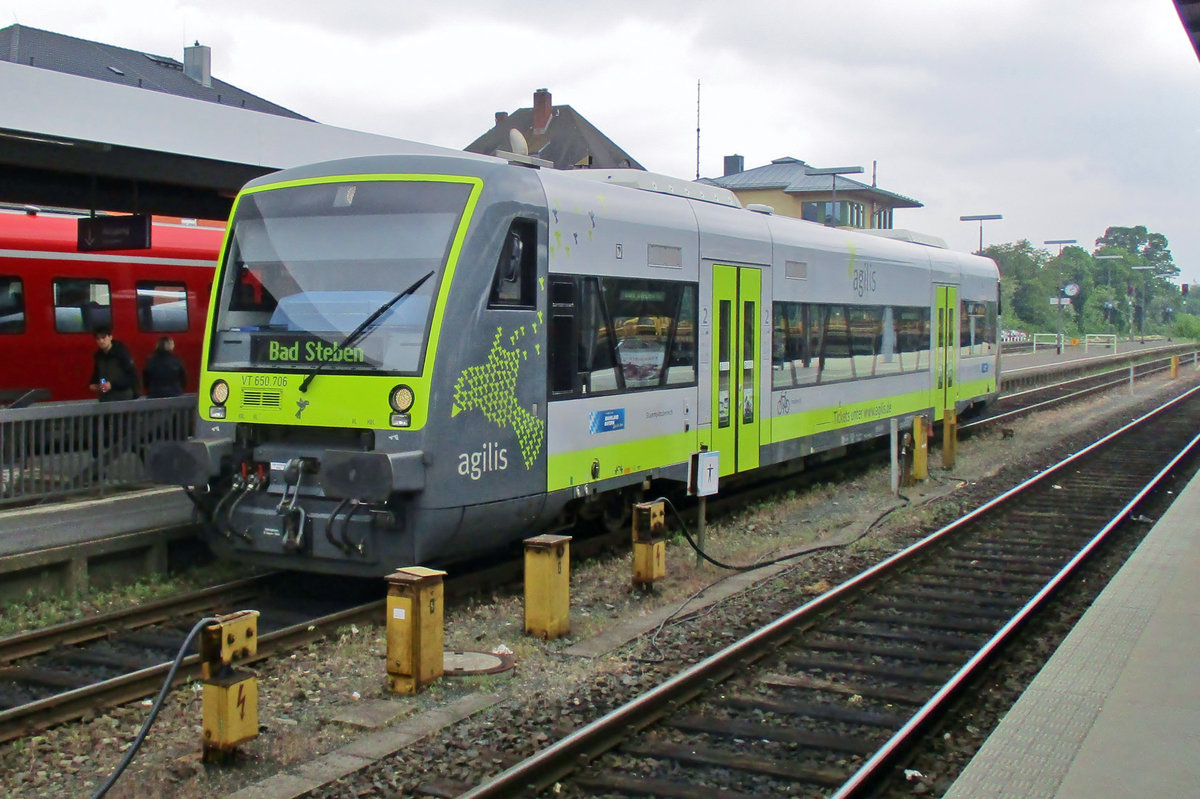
[949,439]
[920,464]
[548,586]
[649,543]
[230,698]
[230,703]
[415,615]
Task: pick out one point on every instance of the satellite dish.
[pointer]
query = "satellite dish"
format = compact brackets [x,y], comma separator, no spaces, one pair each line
[1071,289]
[517,143]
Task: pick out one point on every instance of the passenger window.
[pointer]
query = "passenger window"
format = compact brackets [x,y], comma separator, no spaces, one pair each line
[12,305]
[162,307]
[611,334]
[815,343]
[564,335]
[81,305]
[516,269]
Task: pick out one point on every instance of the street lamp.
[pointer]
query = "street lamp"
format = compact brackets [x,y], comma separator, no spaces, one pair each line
[980,218]
[1108,272]
[1142,321]
[833,172]
[1060,243]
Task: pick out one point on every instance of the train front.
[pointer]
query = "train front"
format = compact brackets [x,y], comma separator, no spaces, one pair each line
[318,397]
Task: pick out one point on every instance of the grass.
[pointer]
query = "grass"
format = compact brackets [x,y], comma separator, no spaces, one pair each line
[35,611]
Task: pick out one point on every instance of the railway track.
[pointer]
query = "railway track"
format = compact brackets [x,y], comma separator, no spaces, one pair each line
[62,673]
[1019,403]
[828,699]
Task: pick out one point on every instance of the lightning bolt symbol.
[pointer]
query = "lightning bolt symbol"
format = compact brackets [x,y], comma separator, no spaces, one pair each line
[241,700]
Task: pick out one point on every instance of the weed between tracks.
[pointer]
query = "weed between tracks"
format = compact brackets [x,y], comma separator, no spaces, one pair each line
[34,612]
[302,693]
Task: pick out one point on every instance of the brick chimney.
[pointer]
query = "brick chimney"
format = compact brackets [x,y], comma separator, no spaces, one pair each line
[197,64]
[542,110]
[501,118]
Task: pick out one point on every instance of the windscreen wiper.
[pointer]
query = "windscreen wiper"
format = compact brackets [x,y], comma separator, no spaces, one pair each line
[365,326]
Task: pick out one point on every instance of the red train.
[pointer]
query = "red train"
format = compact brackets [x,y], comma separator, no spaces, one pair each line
[52,296]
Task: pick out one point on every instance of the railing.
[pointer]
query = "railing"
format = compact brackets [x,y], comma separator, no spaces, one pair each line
[1107,339]
[1053,339]
[51,451]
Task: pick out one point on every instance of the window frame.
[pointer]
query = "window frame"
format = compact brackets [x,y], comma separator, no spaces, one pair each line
[22,315]
[158,285]
[87,326]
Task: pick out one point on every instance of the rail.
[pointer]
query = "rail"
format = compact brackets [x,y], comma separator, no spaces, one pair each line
[56,450]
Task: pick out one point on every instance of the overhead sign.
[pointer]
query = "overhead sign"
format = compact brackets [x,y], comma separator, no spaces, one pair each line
[130,232]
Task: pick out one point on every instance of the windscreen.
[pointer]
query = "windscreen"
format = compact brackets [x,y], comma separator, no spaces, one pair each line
[309,266]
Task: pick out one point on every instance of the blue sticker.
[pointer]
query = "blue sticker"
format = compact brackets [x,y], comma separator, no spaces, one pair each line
[987,367]
[606,421]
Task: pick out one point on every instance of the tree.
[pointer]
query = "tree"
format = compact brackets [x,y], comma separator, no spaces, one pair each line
[1151,248]
[1021,278]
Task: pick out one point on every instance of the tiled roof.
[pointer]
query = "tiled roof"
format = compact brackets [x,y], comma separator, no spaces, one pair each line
[21,44]
[787,174]
[570,141]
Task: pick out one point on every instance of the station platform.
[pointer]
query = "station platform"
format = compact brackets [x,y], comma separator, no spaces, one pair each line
[1115,712]
[75,544]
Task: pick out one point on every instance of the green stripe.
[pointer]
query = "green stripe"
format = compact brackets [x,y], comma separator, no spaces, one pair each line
[824,420]
[575,468]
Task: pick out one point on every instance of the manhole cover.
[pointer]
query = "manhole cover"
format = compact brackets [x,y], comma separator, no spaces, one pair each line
[463,664]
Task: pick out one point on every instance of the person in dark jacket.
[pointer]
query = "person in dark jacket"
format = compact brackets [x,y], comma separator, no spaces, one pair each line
[114,375]
[164,374]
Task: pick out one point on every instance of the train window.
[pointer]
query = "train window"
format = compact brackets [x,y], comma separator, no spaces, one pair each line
[563,338]
[12,305]
[307,265]
[816,343]
[162,307]
[724,334]
[81,305]
[516,271]
[610,334]
[750,322]
[646,318]
[977,328]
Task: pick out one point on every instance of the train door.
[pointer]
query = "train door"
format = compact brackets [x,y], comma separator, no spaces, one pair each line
[737,292]
[945,363]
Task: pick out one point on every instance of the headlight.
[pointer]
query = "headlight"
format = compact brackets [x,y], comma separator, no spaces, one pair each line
[219,393]
[401,399]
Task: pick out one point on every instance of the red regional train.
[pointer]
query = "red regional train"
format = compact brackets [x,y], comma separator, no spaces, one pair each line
[52,297]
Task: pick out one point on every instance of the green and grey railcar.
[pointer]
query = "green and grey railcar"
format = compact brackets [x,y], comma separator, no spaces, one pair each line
[420,359]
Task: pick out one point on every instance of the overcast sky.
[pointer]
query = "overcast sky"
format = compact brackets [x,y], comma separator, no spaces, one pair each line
[1065,116]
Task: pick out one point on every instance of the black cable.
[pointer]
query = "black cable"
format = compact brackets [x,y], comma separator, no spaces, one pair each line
[653,642]
[785,558]
[162,695]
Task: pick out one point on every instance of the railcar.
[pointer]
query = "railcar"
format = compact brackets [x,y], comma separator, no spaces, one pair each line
[52,297]
[418,359]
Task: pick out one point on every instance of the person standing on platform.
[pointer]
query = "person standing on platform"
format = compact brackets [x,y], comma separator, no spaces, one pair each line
[164,373]
[114,375]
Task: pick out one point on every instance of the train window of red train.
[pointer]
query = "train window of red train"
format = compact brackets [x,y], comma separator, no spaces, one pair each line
[162,307]
[81,305]
[12,305]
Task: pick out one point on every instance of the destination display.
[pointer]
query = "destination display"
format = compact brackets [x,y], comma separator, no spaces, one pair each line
[290,350]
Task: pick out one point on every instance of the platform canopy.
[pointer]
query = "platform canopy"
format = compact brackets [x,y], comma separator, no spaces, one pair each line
[70,141]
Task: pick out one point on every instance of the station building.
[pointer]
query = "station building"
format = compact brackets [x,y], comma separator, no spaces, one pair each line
[787,187]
